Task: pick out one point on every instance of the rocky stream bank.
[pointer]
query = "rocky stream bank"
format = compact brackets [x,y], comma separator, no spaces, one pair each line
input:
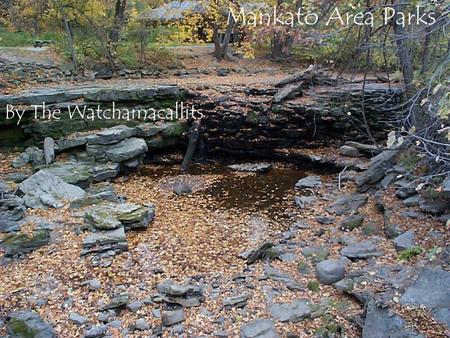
[102,234]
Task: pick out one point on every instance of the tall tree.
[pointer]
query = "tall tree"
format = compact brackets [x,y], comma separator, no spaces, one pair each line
[69,32]
[119,20]
[403,50]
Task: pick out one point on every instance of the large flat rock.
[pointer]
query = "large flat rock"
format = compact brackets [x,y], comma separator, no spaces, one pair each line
[381,323]
[120,152]
[113,215]
[46,190]
[29,324]
[106,240]
[432,290]
[111,135]
[83,173]
[96,93]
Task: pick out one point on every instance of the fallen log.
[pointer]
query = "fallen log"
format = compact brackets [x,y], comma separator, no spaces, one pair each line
[290,90]
[365,148]
[312,76]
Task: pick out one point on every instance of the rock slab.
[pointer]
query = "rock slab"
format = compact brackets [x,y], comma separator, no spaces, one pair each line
[29,324]
[46,190]
[260,328]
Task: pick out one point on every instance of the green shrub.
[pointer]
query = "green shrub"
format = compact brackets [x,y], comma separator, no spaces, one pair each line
[407,254]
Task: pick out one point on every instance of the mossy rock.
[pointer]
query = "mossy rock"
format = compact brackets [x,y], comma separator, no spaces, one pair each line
[252,118]
[352,222]
[16,244]
[28,324]
[112,216]
[19,328]
[175,129]
[315,254]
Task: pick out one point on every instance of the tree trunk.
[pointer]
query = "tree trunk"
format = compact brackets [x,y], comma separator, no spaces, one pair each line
[142,42]
[281,44]
[68,30]
[227,37]
[119,19]
[426,50]
[70,40]
[403,52]
[216,38]
[194,134]
[221,49]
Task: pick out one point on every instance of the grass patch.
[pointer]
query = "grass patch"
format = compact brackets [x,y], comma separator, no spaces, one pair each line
[14,39]
[407,254]
[313,286]
[10,38]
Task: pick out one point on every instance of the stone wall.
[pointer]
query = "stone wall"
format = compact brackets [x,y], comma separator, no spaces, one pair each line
[242,119]
[34,130]
[321,117]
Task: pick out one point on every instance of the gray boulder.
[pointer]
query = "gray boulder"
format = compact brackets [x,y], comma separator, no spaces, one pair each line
[303,201]
[330,271]
[309,182]
[70,143]
[83,174]
[120,152]
[433,205]
[432,290]
[111,240]
[49,150]
[77,318]
[349,151]
[19,244]
[43,189]
[141,325]
[361,250]
[377,168]
[445,191]
[96,331]
[351,222]
[32,155]
[170,318]
[282,277]
[112,135]
[347,204]
[381,323]
[29,324]
[259,328]
[406,240]
[12,209]
[236,301]
[293,312]
[112,216]
[186,295]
